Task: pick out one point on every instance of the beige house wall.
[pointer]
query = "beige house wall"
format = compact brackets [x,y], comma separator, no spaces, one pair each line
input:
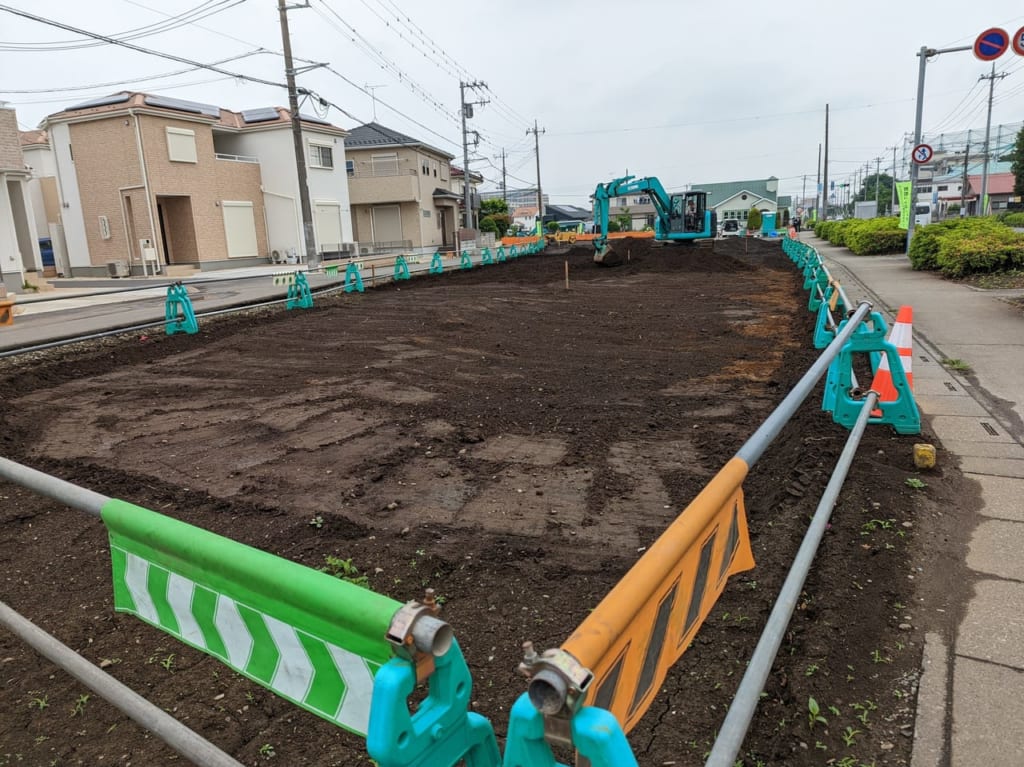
[106,159]
[207,182]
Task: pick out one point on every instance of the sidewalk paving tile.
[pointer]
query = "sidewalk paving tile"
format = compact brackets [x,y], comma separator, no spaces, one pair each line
[988,728]
[999,467]
[993,628]
[995,548]
[967,428]
[964,448]
[950,404]
[1001,496]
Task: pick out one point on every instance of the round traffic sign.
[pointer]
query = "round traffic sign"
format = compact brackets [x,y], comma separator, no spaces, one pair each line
[1018,42]
[991,44]
[922,153]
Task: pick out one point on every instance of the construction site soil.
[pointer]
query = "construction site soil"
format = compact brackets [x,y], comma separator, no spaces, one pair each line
[508,441]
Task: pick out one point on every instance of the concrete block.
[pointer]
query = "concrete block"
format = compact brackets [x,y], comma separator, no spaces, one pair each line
[995,549]
[987,725]
[1001,496]
[967,428]
[930,725]
[993,628]
[950,404]
[1000,467]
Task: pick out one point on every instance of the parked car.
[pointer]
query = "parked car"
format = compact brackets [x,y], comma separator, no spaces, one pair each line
[731,228]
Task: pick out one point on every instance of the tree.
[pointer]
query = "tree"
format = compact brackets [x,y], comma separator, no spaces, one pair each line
[552,226]
[1016,157]
[487,224]
[884,183]
[499,223]
[624,220]
[754,220]
[613,226]
[493,206]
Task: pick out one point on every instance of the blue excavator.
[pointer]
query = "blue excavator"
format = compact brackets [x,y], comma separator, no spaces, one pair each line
[682,217]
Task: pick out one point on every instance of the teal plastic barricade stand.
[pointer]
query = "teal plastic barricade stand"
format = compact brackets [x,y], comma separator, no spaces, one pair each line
[466,262]
[442,732]
[811,272]
[353,278]
[596,734]
[820,280]
[487,257]
[514,252]
[502,255]
[436,267]
[178,311]
[902,413]
[401,269]
[298,293]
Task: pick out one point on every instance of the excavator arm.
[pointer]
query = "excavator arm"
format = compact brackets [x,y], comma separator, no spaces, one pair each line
[604,193]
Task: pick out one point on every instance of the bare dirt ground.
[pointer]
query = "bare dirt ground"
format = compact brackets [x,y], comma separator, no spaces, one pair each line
[511,444]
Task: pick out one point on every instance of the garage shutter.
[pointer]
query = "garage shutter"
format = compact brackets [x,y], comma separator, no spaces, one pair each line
[387,223]
[327,218]
[240,229]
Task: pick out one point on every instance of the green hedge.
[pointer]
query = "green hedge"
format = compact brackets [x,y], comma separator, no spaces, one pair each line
[1013,219]
[964,246]
[864,236]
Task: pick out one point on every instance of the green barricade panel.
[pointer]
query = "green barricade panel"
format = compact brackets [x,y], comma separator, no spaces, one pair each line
[307,636]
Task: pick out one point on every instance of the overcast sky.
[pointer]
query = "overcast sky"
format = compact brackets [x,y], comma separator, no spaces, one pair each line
[688,93]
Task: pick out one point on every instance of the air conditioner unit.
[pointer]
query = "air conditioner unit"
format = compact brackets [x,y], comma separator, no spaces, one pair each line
[118,268]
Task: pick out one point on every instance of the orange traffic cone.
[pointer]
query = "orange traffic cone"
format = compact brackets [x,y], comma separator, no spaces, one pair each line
[901,336]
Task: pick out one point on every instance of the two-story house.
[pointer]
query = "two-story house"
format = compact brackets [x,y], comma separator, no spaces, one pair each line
[151,183]
[400,190]
[19,248]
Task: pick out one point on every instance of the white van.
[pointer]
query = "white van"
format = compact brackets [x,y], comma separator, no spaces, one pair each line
[922,214]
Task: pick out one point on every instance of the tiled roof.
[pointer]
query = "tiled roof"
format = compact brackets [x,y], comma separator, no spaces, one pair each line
[374,135]
[719,193]
[33,138]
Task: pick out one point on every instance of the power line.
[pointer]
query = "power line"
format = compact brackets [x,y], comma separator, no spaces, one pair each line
[138,48]
[202,11]
[172,87]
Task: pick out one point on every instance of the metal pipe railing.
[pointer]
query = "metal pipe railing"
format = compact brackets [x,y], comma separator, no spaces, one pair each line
[754,447]
[70,495]
[186,742]
[741,712]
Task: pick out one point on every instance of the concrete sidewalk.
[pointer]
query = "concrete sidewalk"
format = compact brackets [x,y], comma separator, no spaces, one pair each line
[968,705]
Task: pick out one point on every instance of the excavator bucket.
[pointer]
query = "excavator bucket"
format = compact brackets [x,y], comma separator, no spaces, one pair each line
[604,255]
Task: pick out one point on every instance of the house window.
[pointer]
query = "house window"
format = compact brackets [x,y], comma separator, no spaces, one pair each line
[433,167]
[426,213]
[424,166]
[943,187]
[181,145]
[384,164]
[350,167]
[321,156]
[924,189]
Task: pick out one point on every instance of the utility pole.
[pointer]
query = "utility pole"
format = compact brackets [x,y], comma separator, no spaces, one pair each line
[504,182]
[803,192]
[988,129]
[467,112]
[824,188]
[878,186]
[300,154]
[892,204]
[963,183]
[818,188]
[536,148]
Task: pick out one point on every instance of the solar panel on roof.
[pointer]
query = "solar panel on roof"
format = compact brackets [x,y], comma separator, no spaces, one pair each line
[117,98]
[311,119]
[183,106]
[260,115]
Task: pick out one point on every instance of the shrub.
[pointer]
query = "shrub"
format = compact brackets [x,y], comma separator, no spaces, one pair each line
[613,226]
[1013,219]
[875,235]
[967,245]
[754,220]
[552,226]
[487,224]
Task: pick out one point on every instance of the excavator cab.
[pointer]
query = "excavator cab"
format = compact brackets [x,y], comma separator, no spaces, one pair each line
[687,215]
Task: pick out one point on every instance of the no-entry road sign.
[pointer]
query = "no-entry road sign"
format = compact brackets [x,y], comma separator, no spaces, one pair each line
[1018,42]
[922,153]
[991,44]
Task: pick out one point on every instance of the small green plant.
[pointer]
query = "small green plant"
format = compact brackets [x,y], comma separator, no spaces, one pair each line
[168,663]
[317,522]
[814,714]
[344,569]
[79,707]
[849,735]
[811,670]
[29,286]
[267,751]
[878,657]
[958,365]
[915,483]
[39,703]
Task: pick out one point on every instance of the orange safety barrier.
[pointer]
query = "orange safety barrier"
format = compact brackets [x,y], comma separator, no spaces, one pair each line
[6,311]
[519,240]
[617,236]
[646,622]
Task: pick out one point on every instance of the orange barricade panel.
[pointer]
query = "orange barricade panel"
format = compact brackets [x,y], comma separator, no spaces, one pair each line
[706,544]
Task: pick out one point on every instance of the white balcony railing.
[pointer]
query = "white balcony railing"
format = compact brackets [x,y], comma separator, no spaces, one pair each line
[237,158]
